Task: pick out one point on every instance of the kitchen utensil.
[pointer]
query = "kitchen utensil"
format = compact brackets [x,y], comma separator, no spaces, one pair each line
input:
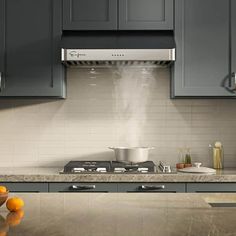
[197,169]
[164,168]
[218,156]
[217,153]
[131,154]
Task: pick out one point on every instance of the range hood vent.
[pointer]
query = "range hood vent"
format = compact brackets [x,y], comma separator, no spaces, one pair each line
[116,63]
[118,48]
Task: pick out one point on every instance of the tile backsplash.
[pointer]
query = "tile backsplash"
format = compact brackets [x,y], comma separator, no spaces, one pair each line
[52,132]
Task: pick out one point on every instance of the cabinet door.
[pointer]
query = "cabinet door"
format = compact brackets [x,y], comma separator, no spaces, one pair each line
[89,14]
[82,187]
[26,187]
[146,15]
[151,187]
[211,187]
[2,40]
[32,65]
[202,56]
[233,41]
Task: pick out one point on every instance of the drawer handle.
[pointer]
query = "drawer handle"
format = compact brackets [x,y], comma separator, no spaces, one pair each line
[82,187]
[149,188]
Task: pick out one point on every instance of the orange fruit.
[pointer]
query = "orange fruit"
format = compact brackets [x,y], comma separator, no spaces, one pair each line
[14,204]
[20,213]
[3,233]
[14,218]
[3,189]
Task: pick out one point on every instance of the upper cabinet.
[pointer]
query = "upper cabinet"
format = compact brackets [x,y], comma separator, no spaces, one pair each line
[30,34]
[146,15]
[233,41]
[90,14]
[206,53]
[2,41]
[117,14]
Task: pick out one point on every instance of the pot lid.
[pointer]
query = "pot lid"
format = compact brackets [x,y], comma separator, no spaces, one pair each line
[197,169]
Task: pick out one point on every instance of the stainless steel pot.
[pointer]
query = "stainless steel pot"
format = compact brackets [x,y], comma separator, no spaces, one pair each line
[131,154]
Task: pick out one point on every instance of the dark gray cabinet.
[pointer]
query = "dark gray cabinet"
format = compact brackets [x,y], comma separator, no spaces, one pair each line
[146,15]
[151,187]
[89,14]
[27,187]
[117,187]
[82,187]
[2,40]
[211,187]
[233,41]
[117,14]
[203,56]
[30,48]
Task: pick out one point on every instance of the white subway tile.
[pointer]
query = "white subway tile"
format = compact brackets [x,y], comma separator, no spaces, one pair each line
[95,116]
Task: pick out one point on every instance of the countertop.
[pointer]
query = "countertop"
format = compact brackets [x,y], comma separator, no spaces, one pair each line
[52,175]
[122,214]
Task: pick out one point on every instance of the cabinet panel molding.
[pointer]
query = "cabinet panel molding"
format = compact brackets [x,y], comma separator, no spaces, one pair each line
[146,15]
[89,14]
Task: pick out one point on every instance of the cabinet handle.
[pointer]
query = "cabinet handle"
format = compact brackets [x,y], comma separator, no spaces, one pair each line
[233,76]
[150,188]
[82,187]
[232,87]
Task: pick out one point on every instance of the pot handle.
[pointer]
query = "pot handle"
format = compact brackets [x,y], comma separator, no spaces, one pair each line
[111,148]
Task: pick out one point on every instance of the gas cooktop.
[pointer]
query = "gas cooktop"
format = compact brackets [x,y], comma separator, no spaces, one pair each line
[108,167]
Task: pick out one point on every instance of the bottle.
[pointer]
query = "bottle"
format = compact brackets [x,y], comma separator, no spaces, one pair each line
[218,156]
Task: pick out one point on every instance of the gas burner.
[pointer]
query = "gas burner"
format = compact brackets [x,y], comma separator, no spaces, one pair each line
[87,166]
[143,167]
[129,170]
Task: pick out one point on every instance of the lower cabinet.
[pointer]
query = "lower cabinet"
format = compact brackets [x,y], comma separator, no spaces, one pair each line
[122,187]
[118,187]
[83,187]
[211,187]
[26,187]
[152,187]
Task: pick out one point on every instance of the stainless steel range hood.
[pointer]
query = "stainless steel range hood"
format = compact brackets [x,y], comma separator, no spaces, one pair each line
[118,48]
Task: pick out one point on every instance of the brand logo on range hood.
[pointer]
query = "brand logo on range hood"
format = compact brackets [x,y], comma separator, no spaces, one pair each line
[75,54]
[82,55]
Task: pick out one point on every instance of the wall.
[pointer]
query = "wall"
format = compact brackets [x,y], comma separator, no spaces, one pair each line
[50,133]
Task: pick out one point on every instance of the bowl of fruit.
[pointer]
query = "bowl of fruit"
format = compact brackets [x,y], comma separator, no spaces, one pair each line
[3,195]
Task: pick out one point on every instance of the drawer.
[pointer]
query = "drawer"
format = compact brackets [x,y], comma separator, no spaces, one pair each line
[151,187]
[211,187]
[82,187]
[26,187]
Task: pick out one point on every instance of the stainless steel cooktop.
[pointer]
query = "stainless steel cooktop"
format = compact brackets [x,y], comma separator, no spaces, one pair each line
[108,167]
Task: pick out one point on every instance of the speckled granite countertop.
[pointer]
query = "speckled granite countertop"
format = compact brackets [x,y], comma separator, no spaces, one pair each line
[122,214]
[52,175]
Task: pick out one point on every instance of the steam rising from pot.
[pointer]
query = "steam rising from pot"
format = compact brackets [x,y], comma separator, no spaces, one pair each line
[132,89]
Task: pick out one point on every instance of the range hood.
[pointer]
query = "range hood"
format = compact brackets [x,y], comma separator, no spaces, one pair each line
[118,48]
